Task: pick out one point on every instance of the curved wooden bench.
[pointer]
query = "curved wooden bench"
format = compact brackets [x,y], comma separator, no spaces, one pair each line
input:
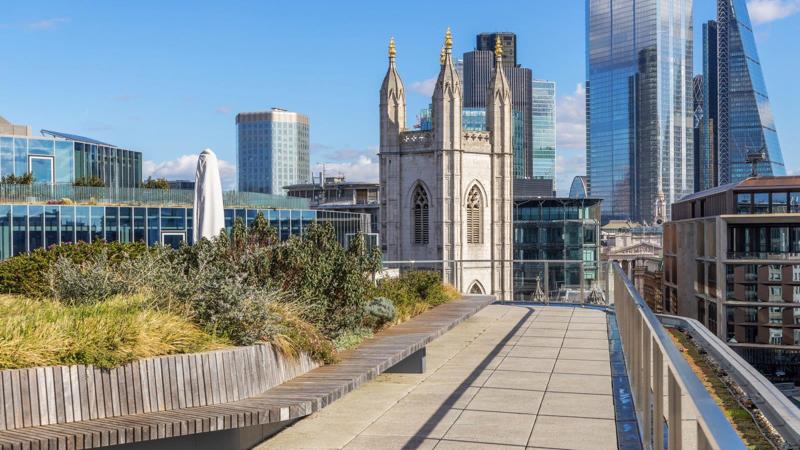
[289,400]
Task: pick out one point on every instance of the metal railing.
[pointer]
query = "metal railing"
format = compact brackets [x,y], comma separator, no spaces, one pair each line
[659,374]
[41,193]
[533,281]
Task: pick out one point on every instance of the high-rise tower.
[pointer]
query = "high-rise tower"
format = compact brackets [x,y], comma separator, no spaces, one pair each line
[639,105]
[746,123]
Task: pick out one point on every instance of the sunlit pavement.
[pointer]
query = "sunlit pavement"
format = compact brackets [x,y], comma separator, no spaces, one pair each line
[510,377]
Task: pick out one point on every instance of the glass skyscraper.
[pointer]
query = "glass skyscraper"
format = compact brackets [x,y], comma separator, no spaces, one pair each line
[273,151]
[639,105]
[746,123]
[544,129]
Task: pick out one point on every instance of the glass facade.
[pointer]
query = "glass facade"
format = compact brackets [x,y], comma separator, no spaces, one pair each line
[746,123]
[273,151]
[24,228]
[58,160]
[639,104]
[563,232]
[707,175]
[474,119]
[544,129]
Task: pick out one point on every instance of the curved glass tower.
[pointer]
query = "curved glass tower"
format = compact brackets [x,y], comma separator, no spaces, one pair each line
[746,123]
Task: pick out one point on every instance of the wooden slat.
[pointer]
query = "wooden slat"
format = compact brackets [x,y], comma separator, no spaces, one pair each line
[186,394]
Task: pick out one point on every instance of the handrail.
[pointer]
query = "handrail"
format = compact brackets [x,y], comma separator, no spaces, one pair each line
[781,413]
[646,345]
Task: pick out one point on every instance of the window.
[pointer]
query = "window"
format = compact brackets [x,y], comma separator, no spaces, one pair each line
[774,273]
[796,296]
[474,216]
[775,336]
[775,293]
[775,315]
[795,273]
[420,206]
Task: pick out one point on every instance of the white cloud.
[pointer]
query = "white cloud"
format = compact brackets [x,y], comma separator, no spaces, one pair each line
[765,11]
[363,168]
[424,87]
[47,24]
[223,110]
[569,164]
[183,168]
[571,120]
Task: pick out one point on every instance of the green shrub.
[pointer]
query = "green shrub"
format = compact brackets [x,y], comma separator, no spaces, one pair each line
[106,334]
[380,311]
[352,338]
[27,273]
[415,292]
[89,281]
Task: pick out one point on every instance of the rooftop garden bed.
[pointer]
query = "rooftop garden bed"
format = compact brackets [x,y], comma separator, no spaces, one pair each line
[108,304]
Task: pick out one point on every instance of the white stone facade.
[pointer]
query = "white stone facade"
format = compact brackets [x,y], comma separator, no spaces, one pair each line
[472,234]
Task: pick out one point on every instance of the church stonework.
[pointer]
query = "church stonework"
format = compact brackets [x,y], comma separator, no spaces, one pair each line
[447,193]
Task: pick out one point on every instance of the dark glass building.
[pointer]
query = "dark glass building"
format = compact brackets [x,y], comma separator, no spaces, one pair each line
[707,169]
[478,68]
[746,123]
[556,246]
[639,105]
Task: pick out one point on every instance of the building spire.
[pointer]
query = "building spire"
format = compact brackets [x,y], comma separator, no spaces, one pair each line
[448,41]
[392,49]
[442,57]
[498,49]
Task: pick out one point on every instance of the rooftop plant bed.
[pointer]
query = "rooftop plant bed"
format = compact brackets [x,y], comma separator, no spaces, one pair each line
[739,416]
[107,304]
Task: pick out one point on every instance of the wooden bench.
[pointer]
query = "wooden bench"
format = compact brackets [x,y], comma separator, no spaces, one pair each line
[401,347]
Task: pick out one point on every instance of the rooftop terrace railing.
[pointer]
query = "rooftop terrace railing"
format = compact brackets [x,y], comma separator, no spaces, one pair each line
[533,280]
[666,392]
[41,193]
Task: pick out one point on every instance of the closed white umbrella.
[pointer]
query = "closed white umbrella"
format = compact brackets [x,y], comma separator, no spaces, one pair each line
[209,213]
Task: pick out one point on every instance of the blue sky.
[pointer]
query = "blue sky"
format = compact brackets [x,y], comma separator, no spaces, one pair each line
[167,78]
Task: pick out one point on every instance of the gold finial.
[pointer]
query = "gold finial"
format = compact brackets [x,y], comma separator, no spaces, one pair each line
[392,50]
[498,47]
[448,40]
[441,57]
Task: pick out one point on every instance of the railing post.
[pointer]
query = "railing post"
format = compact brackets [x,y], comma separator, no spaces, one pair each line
[674,404]
[645,392]
[658,393]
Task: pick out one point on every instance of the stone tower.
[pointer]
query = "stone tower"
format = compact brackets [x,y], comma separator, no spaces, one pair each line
[447,193]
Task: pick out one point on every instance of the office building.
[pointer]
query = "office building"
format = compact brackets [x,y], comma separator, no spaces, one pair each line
[732,261]
[562,235]
[746,123]
[57,157]
[479,66]
[8,128]
[272,150]
[338,194]
[707,160]
[543,127]
[639,106]
[697,129]
[446,193]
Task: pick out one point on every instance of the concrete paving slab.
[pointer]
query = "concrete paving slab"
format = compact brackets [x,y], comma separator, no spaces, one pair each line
[364,442]
[577,405]
[579,384]
[527,364]
[506,400]
[585,343]
[573,433]
[540,341]
[534,352]
[582,367]
[587,354]
[492,428]
[533,381]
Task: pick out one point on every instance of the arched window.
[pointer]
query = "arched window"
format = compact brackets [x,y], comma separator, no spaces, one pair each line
[420,205]
[476,288]
[474,216]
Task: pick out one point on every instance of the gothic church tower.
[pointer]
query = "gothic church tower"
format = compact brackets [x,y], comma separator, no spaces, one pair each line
[446,193]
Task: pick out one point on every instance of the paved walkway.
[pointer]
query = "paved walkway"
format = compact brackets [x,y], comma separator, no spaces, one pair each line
[510,377]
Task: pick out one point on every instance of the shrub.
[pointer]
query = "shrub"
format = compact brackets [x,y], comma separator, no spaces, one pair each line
[27,273]
[89,281]
[106,334]
[352,338]
[91,181]
[415,292]
[380,311]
